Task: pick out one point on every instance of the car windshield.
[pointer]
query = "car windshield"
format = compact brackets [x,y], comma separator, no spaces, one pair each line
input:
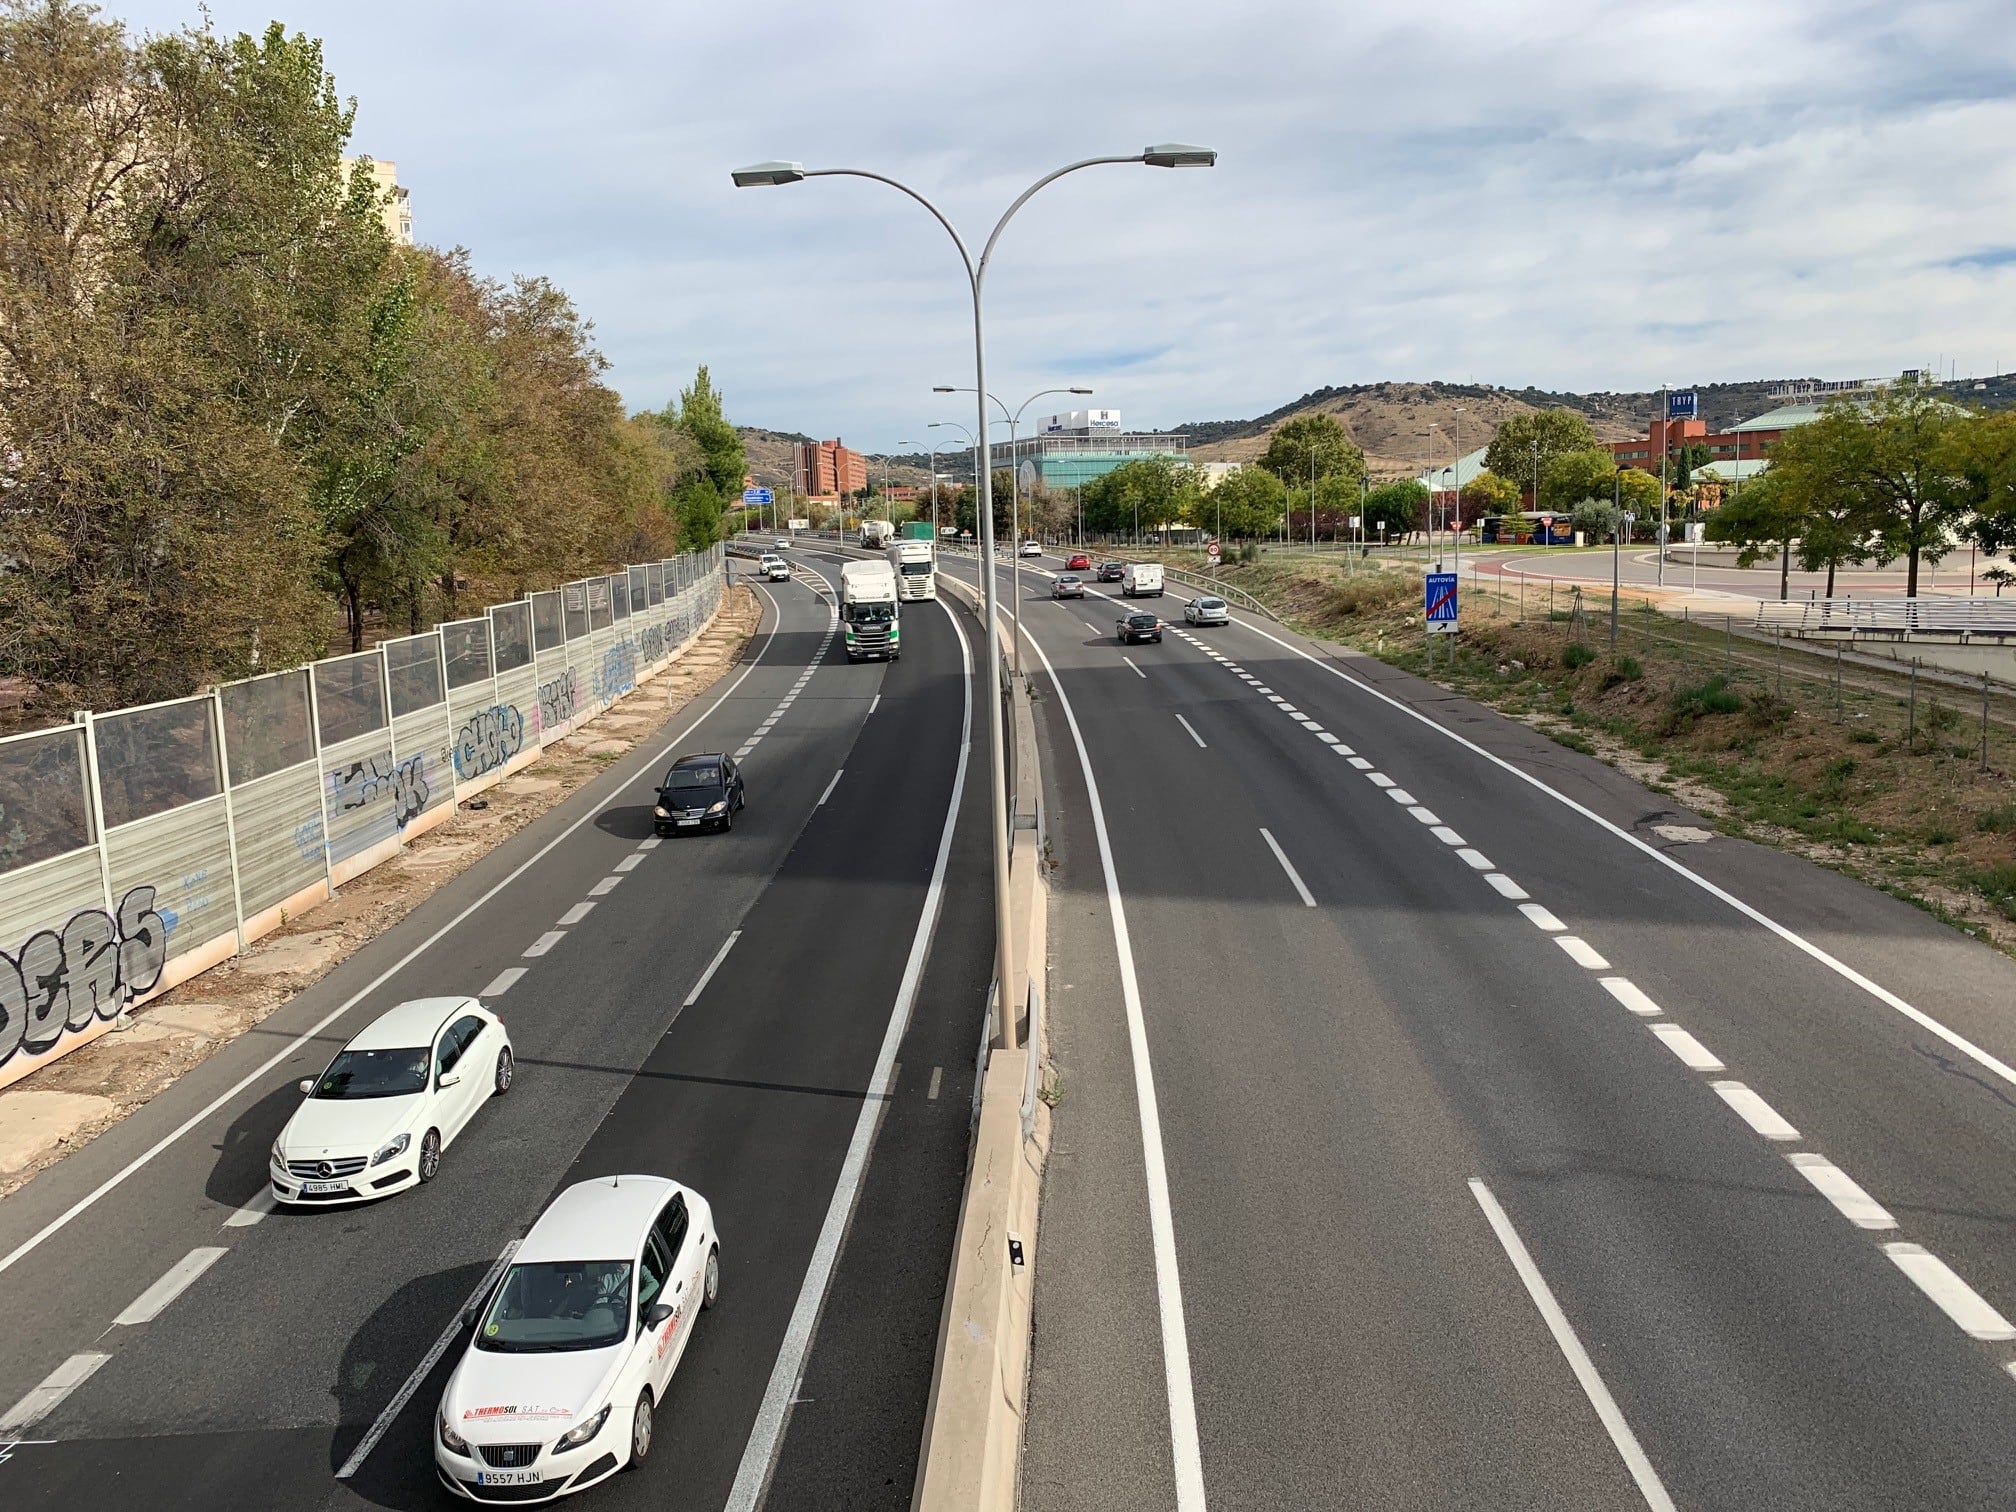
[358,1074]
[1210,603]
[1141,621]
[1067,581]
[558,1304]
[693,777]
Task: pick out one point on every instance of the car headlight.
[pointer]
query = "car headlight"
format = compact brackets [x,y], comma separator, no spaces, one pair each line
[575,1437]
[660,813]
[720,807]
[279,1155]
[452,1441]
[397,1147]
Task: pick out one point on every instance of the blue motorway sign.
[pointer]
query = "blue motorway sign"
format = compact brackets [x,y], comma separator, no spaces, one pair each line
[1683,406]
[1440,601]
[758,496]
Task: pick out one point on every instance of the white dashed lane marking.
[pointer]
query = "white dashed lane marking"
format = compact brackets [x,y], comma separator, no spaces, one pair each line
[1693,1054]
[503,981]
[1756,1112]
[1839,1188]
[1582,953]
[546,941]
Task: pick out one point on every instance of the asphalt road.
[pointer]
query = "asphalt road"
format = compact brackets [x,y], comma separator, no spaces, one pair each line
[1462,1139]
[817,1090]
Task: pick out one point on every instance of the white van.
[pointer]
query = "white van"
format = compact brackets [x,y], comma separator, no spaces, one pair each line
[1141,580]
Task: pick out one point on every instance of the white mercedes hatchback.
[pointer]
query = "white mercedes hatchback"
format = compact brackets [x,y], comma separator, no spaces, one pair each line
[577,1345]
[391,1101]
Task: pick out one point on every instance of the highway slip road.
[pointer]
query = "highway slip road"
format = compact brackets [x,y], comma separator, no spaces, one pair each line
[1436,1133]
[762,1014]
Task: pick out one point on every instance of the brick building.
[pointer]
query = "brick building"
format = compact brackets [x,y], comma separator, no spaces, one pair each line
[827,468]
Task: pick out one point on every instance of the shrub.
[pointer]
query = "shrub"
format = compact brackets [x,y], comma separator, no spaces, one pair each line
[1940,835]
[1997,819]
[1998,885]
[1691,701]
[1865,737]
[1576,654]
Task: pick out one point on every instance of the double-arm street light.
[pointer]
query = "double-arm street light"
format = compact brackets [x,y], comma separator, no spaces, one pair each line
[1164,155]
[971,446]
[1014,419]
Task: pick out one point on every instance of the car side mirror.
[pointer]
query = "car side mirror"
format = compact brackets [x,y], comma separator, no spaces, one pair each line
[656,1314]
[307,1085]
[449,1078]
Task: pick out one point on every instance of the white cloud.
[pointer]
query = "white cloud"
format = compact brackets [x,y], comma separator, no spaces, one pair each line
[1590,195]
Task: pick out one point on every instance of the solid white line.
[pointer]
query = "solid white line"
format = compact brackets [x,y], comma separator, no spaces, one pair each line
[178,1278]
[546,941]
[1426,816]
[712,967]
[753,1474]
[630,862]
[1092,627]
[1186,1458]
[1475,858]
[1968,1309]
[1540,918]
[1137,671]
[58,1384]
[1293,875]
[265,1068]
[1649,1485]
[873,704]
[1691,1051]
[1631,995]
[1581,952]
[1402,797]
[1754,1111]
[427,1363]
[829,787]
[253,1211]
[937,1076]
[501,983]
[605,887]
[1192,732]
[1757,916]
[1447,836]
[1505,885]
[1841,1189]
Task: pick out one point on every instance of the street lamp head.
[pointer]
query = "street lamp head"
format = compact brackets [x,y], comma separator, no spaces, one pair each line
[1077,391]
[1179,155]
[761,175]
[943,388]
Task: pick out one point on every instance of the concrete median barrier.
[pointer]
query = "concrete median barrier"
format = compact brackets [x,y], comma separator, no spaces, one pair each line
[973,1422]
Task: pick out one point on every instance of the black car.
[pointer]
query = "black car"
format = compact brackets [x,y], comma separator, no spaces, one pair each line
[1112,572]
[1138,626]
[700,792]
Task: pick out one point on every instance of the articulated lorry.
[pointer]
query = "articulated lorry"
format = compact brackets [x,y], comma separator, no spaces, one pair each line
[915,568]
[869,614]
[875,534]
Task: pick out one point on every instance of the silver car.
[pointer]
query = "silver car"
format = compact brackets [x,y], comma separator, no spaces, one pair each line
[1207,611]
[1068,585]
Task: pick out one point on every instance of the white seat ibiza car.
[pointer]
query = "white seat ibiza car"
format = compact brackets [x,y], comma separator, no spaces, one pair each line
[391,1101]
[578,1343]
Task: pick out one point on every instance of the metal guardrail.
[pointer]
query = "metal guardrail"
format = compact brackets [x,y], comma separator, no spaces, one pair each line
[1945,615]
[1238,596]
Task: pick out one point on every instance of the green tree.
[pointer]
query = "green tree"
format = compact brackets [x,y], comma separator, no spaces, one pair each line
[1553,432]
[1764,521]
[1515,527]
[1981,453]
[1819,470]
[1401,506]
[1142,495]
[1568,478]
[1245,505]
[720,444]
[1317,440]
[1637,491]
[1488,493]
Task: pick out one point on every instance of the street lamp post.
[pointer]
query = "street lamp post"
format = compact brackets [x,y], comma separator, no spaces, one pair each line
[1549,526]
[1163,155]
[970,443]
[1014,419]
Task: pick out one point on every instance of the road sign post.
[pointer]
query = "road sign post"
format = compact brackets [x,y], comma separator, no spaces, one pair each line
[1211,551]
[1439,601]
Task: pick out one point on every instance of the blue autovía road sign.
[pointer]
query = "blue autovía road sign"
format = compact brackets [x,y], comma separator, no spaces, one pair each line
[1440,598]
[757,496]
[1683,406]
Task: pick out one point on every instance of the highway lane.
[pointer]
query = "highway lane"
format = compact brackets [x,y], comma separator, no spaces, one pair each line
[260,1384]
[1418,1031]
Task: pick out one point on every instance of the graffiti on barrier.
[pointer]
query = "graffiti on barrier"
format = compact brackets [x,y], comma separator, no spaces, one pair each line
[556,700]
[488,738]
[308,842]
[651,644]
[89,969]
[376,776]
[619,672]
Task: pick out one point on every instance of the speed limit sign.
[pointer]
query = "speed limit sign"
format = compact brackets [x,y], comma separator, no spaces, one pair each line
[1212,552]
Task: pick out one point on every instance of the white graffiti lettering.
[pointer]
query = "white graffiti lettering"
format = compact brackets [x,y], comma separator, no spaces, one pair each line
[489,738]
[59,981]
[556,700]
[375,776]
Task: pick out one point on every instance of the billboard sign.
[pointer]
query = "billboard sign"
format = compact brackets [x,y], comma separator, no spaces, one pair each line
[1683,406]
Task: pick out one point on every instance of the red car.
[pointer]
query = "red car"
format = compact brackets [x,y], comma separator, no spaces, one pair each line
[1078,562]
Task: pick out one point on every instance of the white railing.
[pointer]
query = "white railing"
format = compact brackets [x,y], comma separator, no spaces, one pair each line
[1891,616]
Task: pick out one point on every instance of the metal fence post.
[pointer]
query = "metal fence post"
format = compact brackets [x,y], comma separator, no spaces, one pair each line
[321,774]
[1984,721]
[97,800]
[230,818]
[1911,719]
[1838,711]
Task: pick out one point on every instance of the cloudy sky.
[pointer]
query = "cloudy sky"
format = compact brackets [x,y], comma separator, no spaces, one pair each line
[1573,194]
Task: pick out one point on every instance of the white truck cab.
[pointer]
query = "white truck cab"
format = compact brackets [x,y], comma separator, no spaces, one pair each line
[869,614]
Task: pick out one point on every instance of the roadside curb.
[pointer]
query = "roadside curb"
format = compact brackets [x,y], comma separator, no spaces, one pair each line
[974,1419]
